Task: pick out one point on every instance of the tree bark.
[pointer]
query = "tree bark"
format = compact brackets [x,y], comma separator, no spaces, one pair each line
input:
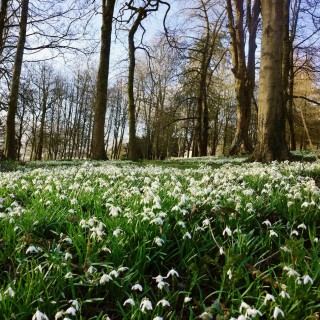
[272,144]
[10,143]
[244,72]
[98,148]
[132,147]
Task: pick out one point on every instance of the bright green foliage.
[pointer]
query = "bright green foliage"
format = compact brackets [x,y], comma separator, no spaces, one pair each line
[91,240]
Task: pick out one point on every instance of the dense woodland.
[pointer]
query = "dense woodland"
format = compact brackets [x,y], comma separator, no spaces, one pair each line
[193,78]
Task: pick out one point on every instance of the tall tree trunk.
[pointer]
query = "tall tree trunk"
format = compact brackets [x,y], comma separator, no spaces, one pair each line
[272,143]
[244,72]
[10,143]
[3,17]
[132,147]
[98,148]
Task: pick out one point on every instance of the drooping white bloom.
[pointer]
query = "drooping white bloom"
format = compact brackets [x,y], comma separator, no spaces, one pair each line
[162,284]
[9,292]
[206,315]
[305,204]
[114,273]
[75,303]
[244,305]
[187,235]
[158,221]
[277,311]
[291,272]
[158,278]
[117,232]
[221,251]
[302,226]
[307,279]
[273,233]
[285,249]
[172,272]
[59,315]
[129,301]
[227,231]
[105,278]
[122,269]
[67,256]
[158,318]
[267,223]
[187,299]
[229,273]
[72,310]
[284,294]
[145,305]
[136,287]
[316,240]
[251,312]
[268,297]
[39,316]
[164,303]
[33,249]
[294,232]
[158,241]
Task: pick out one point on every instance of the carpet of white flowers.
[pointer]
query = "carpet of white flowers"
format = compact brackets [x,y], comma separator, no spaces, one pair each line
[124,241]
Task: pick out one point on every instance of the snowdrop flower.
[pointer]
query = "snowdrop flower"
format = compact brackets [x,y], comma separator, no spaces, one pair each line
[244,305]
[268,297]
[145,305]
[162,284]
[114,273]
[187,299]
[158,221]
[305,204]
[158,318]
[158,278]
[285,249]
[221,251]
[307,279]
[117,232]
[291,272]
[251,312]
[302,226]
[229,273]
[273,233]
[206,222]
[39,316]
[67,256]
[91,270]
[290,203]
[129,301]
[206,315]
[267,223]
[164,303]
[75,303]
[277,311]
[122,269]
[9,292]
[284,294]
[298,281]
[158,241]
[181,224]
[71,311]
[105,278]
[136,287]
[68,275]
[172,272]
[227,231]
[187,235]
[59,315]
[33,249]
[294,232]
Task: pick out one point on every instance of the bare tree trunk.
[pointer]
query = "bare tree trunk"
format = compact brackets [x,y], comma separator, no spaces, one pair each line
[132,147]
[3,17]
[98,148]
[10,143]
[272,144]
[244,72]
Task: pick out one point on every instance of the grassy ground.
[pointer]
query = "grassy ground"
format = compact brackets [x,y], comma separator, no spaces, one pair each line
[182,239]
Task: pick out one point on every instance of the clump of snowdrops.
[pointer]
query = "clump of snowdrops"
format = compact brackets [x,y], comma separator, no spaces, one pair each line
[120,241]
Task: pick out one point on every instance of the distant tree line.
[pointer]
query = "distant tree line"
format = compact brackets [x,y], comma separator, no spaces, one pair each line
[225,77]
